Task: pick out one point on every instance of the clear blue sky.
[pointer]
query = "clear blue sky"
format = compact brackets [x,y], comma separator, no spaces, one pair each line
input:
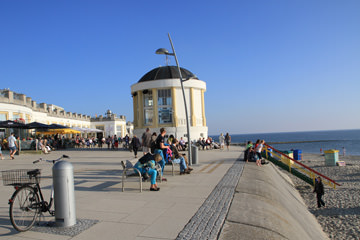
[270,66]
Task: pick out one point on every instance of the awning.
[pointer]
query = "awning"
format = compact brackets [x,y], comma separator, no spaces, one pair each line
[87,130]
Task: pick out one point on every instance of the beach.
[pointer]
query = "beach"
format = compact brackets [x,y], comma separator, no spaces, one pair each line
[340,219]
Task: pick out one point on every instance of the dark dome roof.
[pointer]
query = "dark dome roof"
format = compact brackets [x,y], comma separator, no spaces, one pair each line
[167,72]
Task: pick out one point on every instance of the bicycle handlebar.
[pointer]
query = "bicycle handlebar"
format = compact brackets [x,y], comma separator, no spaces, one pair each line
[51,161]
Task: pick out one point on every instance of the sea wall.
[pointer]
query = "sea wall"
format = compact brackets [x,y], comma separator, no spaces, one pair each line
[266,205]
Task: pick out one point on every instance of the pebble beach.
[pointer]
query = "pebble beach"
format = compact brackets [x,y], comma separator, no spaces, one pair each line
[340,219]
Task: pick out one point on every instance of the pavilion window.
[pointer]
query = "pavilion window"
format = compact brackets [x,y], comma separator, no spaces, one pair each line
[148,108]
[165,110]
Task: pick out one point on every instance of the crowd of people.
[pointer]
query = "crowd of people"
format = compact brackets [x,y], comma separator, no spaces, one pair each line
[157,150]
[253,152]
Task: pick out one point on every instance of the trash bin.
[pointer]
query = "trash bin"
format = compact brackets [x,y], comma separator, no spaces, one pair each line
[194,153]
[331,157]
[64,197]
[298,154]
[269,152]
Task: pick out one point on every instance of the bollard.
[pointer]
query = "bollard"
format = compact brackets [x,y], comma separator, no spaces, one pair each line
[64,197]
[194,153]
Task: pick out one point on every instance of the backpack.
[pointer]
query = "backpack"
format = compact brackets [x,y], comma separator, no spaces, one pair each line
[146,158]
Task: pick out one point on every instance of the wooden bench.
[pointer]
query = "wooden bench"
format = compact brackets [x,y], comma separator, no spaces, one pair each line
[129,166]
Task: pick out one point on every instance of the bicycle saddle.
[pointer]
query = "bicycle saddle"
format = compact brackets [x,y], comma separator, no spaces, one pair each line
[34,173]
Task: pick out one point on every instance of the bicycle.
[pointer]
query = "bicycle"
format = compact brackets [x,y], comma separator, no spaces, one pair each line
[27,202]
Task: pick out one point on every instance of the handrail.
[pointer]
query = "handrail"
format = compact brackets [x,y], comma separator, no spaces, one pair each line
[301,164]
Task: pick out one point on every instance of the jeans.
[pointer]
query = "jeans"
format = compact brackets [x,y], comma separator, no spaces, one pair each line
[182,163]
[162,162]
[319,200]
[151,172]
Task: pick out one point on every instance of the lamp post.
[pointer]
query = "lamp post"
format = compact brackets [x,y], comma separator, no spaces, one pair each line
[166,52]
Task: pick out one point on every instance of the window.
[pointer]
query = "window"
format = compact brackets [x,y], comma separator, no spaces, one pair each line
[3,116]
[148,108]
[165,106]
[118,130]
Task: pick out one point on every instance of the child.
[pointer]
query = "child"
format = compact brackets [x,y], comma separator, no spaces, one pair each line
[258,150]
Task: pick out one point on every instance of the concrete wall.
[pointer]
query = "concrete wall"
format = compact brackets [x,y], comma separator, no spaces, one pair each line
[266,205]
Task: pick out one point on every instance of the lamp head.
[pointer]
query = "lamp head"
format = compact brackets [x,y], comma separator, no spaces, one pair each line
[163,51]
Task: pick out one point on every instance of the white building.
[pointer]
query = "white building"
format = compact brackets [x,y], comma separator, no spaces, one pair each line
[158,102]
[15,106]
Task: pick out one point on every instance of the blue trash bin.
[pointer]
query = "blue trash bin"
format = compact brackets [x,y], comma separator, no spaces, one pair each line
[298,154]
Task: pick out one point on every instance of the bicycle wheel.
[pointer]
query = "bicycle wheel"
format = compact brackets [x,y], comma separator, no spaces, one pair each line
[24,208]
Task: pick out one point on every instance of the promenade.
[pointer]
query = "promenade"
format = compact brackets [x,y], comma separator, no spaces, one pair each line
[105,212]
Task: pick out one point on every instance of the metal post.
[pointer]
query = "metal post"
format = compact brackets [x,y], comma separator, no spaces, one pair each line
[186,111]
[64,196]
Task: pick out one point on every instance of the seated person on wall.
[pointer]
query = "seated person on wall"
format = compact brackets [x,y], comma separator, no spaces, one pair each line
[208,143]
[182,145]
[249,152]
[201,142]
[180,158]
[147,166]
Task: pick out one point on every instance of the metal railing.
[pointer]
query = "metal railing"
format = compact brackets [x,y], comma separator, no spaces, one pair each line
[296,165]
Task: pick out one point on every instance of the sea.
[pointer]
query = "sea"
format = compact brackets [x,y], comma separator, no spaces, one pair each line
[308,142]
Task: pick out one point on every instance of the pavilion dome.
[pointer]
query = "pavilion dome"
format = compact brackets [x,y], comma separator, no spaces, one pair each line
[167,72]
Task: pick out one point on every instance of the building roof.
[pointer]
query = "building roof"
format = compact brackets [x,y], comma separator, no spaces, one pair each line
[167,72]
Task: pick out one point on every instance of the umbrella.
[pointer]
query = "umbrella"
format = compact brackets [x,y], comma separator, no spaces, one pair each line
[12,124]
[57,126]
[37,125]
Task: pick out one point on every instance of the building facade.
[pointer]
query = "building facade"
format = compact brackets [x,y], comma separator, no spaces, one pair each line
[158,102]
[15,106]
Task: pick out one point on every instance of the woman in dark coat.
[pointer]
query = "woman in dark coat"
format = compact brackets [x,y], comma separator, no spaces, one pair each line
[319,190]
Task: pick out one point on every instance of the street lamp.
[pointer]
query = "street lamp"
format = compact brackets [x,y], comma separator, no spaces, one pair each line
[166,52]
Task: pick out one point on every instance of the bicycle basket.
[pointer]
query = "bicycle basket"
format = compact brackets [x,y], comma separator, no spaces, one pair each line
[19,177]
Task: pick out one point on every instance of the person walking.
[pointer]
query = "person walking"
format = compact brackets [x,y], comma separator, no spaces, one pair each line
[227,140]
[12,145]
[319,190]
[135,144]
[146,141]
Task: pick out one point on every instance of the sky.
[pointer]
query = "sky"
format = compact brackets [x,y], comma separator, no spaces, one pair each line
[269,65]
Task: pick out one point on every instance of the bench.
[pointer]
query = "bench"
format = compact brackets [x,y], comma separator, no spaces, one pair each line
[129,166]
[172,164]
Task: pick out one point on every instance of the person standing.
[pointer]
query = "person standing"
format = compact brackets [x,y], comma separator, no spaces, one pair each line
[222,141]
[160,147]
[12,145]
[135,145]
[227,140]
[146,141]
[319,190]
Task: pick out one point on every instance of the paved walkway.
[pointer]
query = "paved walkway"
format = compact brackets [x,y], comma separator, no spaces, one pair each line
[176,211]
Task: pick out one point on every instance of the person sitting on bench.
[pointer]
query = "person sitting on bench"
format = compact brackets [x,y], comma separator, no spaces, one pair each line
[180,158]
[146,166]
